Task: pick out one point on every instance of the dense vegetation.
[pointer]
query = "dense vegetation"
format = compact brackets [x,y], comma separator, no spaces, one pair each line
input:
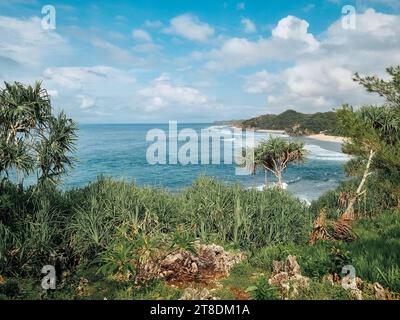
[295,123]
[101,237]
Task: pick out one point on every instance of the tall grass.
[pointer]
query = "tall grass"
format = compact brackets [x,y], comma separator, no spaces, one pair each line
[248,218]
[31,229]
[48,225]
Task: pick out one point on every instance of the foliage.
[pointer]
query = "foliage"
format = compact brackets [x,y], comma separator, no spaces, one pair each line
[375,128]
[323,290]
[295,123]
[32,139]
[263,290]
[275,154]
[247,217]
[375,254]
[379,196]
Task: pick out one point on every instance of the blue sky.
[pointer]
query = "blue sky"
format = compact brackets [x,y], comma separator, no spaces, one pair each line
[197,60]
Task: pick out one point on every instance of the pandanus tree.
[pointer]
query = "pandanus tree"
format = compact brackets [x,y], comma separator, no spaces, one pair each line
[275,154]
[32,139]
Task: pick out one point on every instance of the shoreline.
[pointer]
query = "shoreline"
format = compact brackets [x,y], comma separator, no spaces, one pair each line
[318,136]
[328,138]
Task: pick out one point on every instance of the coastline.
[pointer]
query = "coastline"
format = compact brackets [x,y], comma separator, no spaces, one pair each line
[324,137]
[318,136]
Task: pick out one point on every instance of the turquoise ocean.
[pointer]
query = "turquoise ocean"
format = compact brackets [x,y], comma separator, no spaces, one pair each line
[119,151]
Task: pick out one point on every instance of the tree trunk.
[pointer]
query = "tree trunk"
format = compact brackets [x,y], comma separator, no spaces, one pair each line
[279,183]
[349,213]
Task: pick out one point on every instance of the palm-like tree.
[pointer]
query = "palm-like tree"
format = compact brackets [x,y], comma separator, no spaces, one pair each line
[32,139]
[275,154]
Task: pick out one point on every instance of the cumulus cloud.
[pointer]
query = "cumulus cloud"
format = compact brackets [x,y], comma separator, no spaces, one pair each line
[248,25]
[163,93]
[290,39]
[190,27]
[322,79]
[91,92]
[25,42]
[293,28]
[141,35]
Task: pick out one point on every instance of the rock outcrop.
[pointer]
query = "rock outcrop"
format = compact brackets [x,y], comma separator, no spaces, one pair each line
[286,275]
[210,262]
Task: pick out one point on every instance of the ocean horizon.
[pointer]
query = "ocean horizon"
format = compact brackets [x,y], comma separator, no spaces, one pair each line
[119,151]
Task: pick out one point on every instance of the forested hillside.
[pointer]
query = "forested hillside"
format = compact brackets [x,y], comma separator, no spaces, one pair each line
[295,123]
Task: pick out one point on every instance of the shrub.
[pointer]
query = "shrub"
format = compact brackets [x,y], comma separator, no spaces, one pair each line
[249,218]
[379,196]
[263,291]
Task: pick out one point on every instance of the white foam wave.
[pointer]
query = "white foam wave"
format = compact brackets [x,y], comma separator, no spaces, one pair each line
[261,187]
[317,153]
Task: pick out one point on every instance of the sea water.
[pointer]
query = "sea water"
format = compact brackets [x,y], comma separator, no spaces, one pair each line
[119,150]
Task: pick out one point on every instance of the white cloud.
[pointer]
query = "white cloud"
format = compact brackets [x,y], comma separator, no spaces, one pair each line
[260,82]
[115,52]
[147,47]
[87,102]
[190,27]
[141,35]
[163,93]
[290,39]
[293,28]
[25,42]
[322,79]
[86,77]
[248,25]
[87,93]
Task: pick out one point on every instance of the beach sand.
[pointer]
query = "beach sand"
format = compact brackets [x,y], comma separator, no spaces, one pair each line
[324,137]
[319,136]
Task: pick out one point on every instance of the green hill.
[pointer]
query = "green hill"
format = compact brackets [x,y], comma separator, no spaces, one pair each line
[295,123]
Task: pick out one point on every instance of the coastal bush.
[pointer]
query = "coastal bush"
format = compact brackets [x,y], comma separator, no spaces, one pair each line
[31,228]
[378,197]
[315,261]
[263,290]
[208,210]
[248,218]
[376,253]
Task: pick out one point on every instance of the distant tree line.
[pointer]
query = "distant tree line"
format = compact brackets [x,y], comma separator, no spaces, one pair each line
[295,123]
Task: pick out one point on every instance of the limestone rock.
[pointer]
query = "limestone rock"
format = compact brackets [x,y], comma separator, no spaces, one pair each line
[354,285]
[286,275]
[207,264]
[380,292]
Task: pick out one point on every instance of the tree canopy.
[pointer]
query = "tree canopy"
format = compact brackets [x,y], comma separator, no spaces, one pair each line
[375,128]
[275,154]
[32,139]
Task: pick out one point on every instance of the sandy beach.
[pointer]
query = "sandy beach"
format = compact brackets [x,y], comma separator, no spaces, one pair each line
[319,136]
[324,137]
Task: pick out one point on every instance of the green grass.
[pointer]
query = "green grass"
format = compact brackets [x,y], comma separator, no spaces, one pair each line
[375,254]
[114,225]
